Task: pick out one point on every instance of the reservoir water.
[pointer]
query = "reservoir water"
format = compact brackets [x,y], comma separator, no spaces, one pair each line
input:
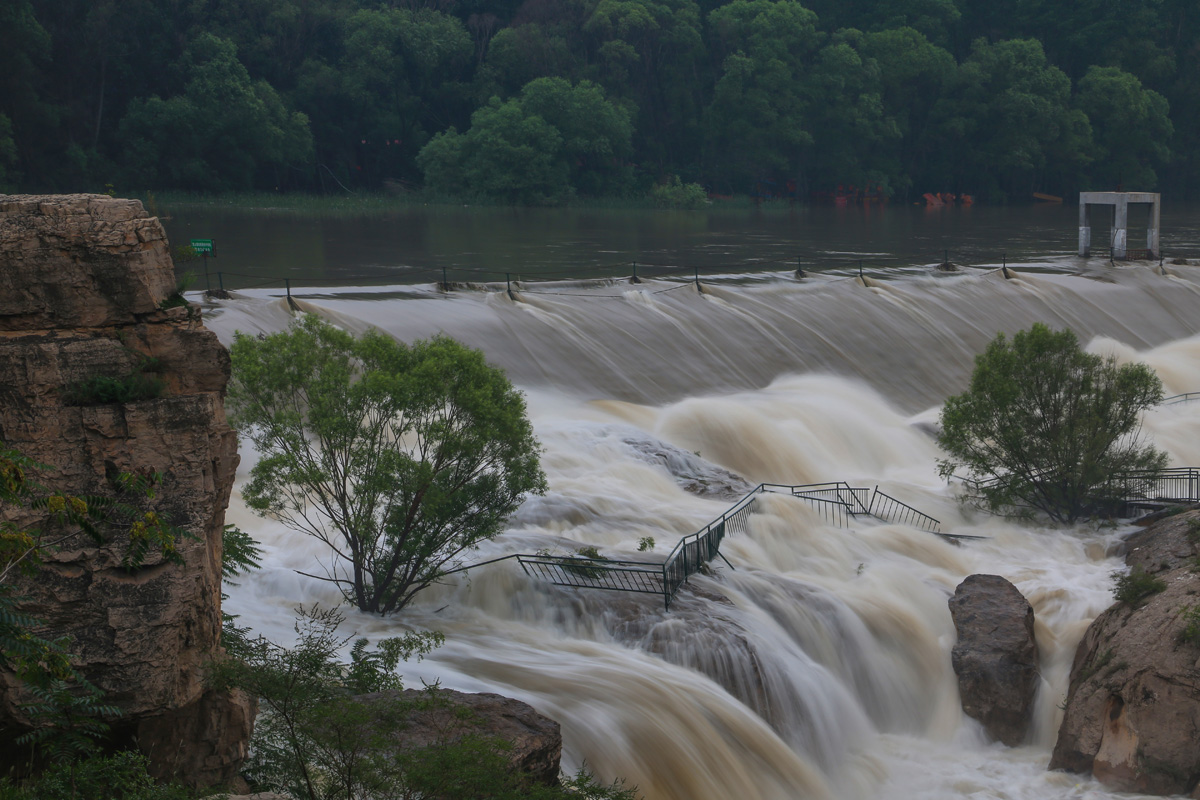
[818,665]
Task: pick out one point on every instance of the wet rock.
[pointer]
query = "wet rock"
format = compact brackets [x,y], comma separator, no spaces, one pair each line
[1133,708]
[81,296]
[442,716]
[996,657]
[691,471]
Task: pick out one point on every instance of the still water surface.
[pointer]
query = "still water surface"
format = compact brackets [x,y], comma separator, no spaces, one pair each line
[415,244]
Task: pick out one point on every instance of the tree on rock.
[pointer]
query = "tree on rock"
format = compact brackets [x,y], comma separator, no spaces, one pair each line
[399,458]
[1048,427]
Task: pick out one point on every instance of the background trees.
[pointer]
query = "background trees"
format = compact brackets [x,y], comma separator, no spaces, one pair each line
[539,147]
[996,98]
[1047,427]
[399,458]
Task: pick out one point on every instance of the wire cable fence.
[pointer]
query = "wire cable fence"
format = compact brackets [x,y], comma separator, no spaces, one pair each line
[542,280]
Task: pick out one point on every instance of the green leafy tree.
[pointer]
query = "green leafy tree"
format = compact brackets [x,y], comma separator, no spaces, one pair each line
[399,458]
[1048,427]
[222,132]
[759,121]
[534,149]
[913,74]
[1006,124]
[1131,126]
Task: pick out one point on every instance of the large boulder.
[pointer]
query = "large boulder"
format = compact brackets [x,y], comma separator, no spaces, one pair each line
[1133,708]
[534,742]
[85,291]
[996,656]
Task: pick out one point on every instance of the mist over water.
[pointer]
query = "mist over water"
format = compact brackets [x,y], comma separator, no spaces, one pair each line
[818,667]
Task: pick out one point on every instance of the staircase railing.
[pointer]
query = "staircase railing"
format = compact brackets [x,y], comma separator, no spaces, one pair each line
[836,502]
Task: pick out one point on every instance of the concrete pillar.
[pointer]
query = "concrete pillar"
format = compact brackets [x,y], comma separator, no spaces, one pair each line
[1152,230]
[1085,230]
[1120,232]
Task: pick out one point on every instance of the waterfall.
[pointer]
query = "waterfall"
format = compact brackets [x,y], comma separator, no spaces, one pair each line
[818,667]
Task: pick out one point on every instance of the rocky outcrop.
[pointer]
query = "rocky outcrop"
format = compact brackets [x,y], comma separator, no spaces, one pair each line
[1133,709]
[83,285]
[443,716]
[996,657]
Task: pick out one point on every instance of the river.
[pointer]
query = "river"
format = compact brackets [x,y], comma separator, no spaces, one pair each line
[818,665]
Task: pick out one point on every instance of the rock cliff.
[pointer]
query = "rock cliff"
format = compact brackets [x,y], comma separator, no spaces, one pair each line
[1133,708]
[996,656]
[84,285]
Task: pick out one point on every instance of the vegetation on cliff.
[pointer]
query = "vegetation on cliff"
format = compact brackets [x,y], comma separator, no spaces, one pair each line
[749,96]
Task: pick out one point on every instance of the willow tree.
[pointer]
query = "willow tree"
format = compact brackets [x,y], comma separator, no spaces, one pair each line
[397,457]
[1046,427]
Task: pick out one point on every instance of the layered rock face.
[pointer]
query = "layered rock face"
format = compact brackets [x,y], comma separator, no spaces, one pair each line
[996,656]
[82,283]
[1133,708]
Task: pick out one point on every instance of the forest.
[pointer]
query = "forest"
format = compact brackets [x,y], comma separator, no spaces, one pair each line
[545,101]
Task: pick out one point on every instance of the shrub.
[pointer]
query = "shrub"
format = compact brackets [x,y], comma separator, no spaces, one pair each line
[316,741]
[120,776]
[1135,586]
[101,389]
[674,194]
[1191,628]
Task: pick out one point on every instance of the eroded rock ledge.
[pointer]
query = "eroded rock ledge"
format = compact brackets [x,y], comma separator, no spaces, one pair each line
[83,279]
[1133,710]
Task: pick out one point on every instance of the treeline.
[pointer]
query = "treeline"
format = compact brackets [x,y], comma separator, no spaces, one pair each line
[537,101]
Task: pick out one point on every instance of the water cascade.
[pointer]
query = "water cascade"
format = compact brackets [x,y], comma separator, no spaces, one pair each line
[818,667]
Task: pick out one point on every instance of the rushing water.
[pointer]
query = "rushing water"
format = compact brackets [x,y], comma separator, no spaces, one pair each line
[819,667]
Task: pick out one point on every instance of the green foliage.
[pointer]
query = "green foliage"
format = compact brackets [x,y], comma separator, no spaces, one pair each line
[1191,627]
[1007,114]
[1131,126]
[239,552]
[316,740]
[311,739]
[1046,427]
[332,96]
[586,565]
[67,711]
[645,544]
[535,149]
[412,454]
[673,194]
[219,133]
[120,776]
[1135,586]
[102,389]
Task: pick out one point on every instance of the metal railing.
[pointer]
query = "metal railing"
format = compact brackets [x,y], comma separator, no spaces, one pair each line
[889,509]
[836,502]
[1180,484]
[1186,397]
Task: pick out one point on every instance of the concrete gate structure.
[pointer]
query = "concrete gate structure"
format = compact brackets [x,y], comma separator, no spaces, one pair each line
[1119,202]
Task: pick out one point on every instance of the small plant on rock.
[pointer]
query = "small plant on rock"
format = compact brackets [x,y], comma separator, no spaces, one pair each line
[1191,628]
[1135,586]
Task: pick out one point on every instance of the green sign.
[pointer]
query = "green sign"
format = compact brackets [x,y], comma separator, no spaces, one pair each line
[202,246]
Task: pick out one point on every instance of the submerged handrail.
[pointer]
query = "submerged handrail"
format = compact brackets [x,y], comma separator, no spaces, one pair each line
[837,502]
[1186,397]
